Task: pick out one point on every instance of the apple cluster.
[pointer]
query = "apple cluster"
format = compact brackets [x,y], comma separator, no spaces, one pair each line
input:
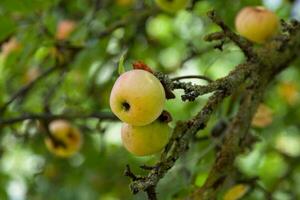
[137,98]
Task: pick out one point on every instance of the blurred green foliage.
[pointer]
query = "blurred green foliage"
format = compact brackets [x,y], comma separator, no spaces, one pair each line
[171,43]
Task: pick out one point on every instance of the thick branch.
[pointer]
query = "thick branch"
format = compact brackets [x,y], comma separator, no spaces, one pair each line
[234,136]
[270,60]
[228,83]
[179,143]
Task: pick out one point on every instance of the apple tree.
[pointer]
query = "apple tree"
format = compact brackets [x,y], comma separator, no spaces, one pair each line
[152,99]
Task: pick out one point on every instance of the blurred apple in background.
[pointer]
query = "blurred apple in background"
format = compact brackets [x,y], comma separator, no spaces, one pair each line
[69,135]
[64,29]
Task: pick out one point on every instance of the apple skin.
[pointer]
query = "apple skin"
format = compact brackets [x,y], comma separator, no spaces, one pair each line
[69,135]
[145,140]
[137,97]
[171,6]
[257,24]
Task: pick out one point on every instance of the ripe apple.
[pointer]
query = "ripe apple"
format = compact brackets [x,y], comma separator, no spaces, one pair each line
[145,140]
[256,24]
[64,29]
[66,133]
[137,97]
[171,5]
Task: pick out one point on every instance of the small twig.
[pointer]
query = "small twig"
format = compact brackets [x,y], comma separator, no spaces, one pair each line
[47,116]
[24,90]
[245,45]
[146,167]
[130,174]
[236,77]
[201,139]
[125,21]
[192,76]
[214,36]
[51,91]
[56,142]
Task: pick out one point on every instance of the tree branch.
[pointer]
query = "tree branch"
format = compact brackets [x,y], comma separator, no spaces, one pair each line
[67,116]
[255,74]
[244,44]
[269,60]
[23,91]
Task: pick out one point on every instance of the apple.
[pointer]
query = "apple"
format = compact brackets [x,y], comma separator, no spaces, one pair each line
[145,140]
[257,24]
[66,133]
[64,29]
[137,97]
[171,6]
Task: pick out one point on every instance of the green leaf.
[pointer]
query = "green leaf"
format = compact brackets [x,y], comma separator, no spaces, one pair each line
[7,27]
[26,6]
[121,67]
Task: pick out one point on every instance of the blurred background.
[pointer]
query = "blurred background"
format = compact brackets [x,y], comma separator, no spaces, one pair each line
[87,38]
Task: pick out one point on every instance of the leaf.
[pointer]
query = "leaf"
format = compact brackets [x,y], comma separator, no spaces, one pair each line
[121,67]
[236,192]
[141,65]
[288,144]
[289,92]
[263,116]
[41,53]
[7,27]
[26,6]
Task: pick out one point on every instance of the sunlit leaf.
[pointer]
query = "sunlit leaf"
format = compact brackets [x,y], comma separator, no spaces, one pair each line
[263,116]
[236,192]
[289,92]
[121,67]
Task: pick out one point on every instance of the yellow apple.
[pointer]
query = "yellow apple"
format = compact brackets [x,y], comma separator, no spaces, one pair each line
[145,140]
[171,5]
[137,97]
[257,24]
[68,135]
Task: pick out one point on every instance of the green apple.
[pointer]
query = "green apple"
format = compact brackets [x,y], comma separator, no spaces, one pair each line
[145,140]
[63,131]
[257,24]
[171,5]
[137,97]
